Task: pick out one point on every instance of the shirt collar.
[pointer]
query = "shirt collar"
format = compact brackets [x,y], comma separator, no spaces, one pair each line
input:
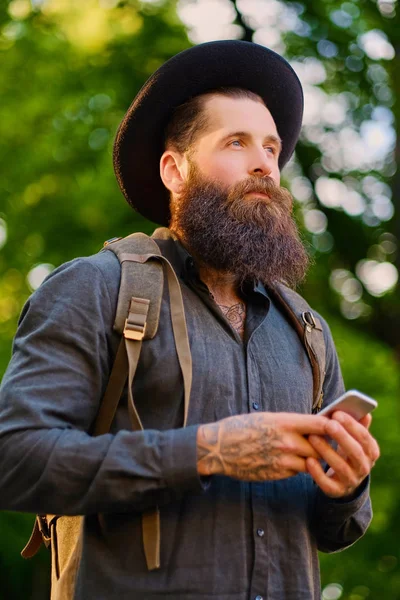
[184,264]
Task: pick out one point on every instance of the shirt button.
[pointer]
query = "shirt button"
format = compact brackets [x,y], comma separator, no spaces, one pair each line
[260,532]
[256,406]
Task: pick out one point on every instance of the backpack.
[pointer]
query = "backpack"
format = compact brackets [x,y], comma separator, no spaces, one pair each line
[143,269]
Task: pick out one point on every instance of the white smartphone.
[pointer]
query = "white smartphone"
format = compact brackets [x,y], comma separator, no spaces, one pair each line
[352,402]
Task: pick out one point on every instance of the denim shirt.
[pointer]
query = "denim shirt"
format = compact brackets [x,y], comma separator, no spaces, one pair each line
[220,538]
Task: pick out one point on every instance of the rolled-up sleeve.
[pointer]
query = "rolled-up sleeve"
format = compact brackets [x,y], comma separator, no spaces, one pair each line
[50,396]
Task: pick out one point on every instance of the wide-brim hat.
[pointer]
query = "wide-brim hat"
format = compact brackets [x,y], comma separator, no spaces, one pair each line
[139,143]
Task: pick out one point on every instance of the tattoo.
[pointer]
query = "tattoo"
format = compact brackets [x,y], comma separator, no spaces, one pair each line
[242,447]
[236,315]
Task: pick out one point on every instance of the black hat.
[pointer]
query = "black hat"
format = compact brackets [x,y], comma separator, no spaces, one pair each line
[139,142]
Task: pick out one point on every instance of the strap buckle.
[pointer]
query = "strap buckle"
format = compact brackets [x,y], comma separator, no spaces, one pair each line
[308,319]
[135,323]
[134,332]
[44,529]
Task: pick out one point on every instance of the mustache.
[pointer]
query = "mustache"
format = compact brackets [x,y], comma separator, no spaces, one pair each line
[256,184]
[261,185]
[277,206]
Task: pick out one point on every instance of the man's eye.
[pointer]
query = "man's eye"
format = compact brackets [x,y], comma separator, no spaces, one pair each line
[236,143]
[270,149]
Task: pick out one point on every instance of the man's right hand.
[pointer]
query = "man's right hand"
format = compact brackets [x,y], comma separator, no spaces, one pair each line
[258,447]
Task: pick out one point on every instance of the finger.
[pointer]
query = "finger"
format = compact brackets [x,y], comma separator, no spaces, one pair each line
[306,424]
[294,464]
[366,421]
[360,433]
[298,445]
[350,446]
[349,475]
[328,484]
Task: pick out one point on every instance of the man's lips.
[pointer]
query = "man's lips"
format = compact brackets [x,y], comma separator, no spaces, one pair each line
[260,194]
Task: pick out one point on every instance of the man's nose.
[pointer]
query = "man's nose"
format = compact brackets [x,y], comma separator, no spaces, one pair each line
[260,164]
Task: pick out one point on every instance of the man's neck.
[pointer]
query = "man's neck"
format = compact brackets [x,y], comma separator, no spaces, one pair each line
[223,289]
[225,292]
[223,286]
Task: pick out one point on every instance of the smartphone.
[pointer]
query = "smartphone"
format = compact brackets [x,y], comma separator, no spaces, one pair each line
[352,402]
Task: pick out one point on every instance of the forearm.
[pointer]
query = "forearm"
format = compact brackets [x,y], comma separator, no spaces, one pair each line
[68,472]
[242,447]
[257,447]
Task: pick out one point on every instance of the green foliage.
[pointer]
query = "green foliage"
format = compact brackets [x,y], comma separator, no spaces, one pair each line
[62,103]
[374,561]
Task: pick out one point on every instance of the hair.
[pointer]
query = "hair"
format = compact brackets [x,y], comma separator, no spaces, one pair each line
[190,119]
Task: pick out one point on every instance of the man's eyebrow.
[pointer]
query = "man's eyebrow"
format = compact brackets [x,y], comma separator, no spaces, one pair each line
[273,139]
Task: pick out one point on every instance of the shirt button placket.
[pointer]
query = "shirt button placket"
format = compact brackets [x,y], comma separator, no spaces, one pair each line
[259,579]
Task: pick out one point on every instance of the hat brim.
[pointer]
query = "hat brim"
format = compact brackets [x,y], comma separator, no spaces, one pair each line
[139,142]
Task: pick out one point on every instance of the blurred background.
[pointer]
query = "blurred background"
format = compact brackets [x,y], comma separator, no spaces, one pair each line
[68,72]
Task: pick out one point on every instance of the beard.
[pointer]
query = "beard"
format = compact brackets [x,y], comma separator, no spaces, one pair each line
[253,238]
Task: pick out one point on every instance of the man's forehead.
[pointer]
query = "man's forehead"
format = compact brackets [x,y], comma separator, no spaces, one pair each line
[227,112]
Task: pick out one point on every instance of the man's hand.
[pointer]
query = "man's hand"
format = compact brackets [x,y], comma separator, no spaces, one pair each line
[352,461]
[258,447]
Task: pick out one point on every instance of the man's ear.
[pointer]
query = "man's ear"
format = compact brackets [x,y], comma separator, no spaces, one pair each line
[173,170]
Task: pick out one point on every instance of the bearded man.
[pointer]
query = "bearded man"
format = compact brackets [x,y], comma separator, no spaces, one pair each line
[243,498]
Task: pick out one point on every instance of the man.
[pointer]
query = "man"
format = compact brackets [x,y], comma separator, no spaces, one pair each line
[243,498]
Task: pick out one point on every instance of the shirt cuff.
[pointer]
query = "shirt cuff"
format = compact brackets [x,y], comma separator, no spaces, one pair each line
[180,460]
[349,504]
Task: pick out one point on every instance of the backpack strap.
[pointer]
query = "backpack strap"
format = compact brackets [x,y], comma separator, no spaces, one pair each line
[310,331]
[142,323]
[147,282]
[137,317]
[40,535]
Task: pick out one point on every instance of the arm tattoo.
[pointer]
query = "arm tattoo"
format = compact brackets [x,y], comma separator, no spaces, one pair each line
[236,315]
[244,449]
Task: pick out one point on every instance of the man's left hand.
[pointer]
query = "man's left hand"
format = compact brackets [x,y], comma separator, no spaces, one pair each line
[353,460]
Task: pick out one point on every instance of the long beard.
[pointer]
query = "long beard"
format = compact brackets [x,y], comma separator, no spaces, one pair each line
[251,238]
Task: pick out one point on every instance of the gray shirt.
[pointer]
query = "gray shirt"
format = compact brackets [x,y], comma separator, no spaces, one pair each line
[220,538]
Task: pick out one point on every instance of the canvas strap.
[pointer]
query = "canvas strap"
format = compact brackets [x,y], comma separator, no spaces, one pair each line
[178,323]
[138,280]
[40,535]
[125,365]
[310,331]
